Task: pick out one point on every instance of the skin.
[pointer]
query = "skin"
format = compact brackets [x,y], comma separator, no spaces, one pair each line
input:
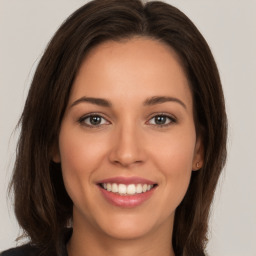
[128,142]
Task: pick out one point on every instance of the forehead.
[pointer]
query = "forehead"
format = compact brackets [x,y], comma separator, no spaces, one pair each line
[137,67]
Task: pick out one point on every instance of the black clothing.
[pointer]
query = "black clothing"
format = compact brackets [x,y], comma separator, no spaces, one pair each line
[31,250]
[24,250]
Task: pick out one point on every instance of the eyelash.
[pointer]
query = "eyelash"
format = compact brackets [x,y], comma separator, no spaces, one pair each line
[172,120]
[82,119]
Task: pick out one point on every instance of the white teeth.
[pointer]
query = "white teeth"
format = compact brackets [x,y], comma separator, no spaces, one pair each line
[139,188]
[144,188]
[129,189]
[114,188]
[109,187]
[122,189]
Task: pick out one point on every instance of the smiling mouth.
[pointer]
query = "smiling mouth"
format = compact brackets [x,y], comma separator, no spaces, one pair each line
[127,189]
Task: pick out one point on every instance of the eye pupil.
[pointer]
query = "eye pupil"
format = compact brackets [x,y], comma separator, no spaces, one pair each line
[160,119]
[95,120]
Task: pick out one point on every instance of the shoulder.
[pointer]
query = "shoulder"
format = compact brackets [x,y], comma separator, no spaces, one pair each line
[32,250]
[24,250]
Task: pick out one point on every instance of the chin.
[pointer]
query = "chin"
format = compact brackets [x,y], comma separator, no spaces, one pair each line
[127,230]
[132,226]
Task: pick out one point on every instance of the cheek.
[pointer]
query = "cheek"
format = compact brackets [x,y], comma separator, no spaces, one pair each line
[79,158]
[174,159]
[79,152]
[175,152]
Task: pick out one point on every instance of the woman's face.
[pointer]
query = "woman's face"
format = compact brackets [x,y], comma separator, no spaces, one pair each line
[127,143]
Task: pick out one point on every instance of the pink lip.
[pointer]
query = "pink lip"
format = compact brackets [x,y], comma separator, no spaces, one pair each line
[127,180]
[126,201]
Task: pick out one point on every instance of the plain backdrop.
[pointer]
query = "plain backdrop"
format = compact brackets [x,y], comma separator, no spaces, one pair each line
[229,26]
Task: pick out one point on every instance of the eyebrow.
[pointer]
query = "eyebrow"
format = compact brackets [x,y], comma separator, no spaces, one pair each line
[162,99]
[148,102]
[95,101]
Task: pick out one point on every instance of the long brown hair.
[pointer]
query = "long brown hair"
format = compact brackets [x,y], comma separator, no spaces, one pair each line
[42,205]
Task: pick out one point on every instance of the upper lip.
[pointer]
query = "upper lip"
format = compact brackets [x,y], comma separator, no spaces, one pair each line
[127,180]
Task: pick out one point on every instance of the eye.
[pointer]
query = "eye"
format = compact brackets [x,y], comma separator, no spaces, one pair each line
[162,120]
[93,120]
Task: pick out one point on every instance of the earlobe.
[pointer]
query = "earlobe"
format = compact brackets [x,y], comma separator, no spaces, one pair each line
[56,158]
[197,166]
[198,155]
[55,154]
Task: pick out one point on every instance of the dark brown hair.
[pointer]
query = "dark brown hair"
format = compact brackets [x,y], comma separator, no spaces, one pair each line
[42,205]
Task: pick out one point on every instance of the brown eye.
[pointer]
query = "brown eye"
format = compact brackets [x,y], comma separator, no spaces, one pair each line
[161,120]
[93,120]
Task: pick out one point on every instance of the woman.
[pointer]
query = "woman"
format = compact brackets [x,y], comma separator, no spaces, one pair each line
[119,152]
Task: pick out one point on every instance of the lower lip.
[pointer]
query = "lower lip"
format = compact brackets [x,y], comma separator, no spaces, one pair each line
[127,201]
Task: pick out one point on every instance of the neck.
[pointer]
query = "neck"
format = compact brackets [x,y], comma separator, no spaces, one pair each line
[87,241]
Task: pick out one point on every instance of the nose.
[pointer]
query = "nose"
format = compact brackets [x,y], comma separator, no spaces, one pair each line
[127,147]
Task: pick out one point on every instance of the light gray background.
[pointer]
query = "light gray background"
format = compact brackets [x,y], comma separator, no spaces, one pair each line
[229,26]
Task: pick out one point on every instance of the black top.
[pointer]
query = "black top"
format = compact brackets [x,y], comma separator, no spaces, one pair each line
[31,250]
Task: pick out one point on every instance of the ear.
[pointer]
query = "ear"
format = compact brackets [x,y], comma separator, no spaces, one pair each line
[55,153]
[198,159]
